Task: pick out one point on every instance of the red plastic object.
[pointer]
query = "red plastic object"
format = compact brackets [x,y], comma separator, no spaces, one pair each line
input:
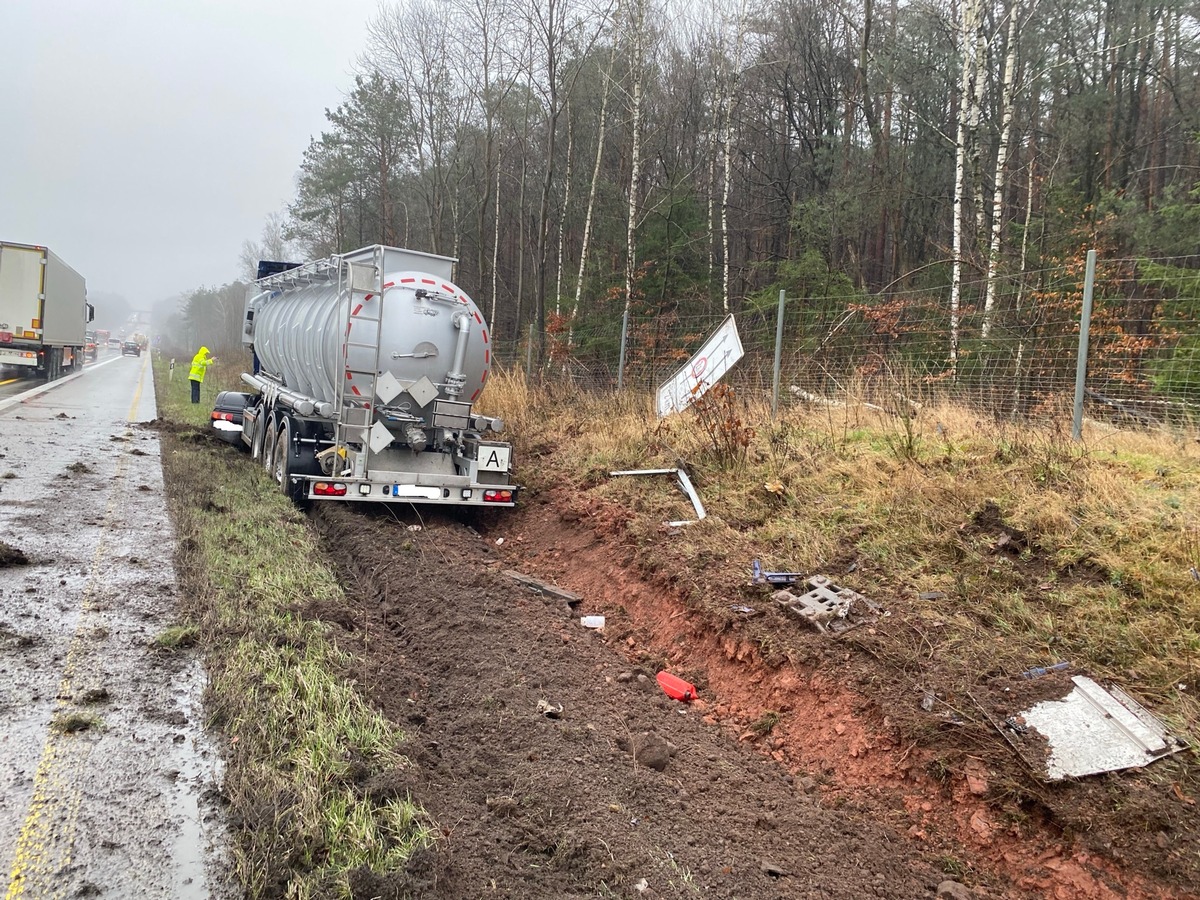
[675,687]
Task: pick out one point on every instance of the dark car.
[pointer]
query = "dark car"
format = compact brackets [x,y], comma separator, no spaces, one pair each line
[227,415]
[130,348]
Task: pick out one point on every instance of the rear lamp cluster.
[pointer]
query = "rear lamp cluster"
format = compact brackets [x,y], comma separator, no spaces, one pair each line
[497,496]
[222,416]
[329,489]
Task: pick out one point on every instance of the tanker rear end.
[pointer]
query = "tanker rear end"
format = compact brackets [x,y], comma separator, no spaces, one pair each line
[367,367]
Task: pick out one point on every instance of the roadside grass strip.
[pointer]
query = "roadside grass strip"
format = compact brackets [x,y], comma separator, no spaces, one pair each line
[301,741]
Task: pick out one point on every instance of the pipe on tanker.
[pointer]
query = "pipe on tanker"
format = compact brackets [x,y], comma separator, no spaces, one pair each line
[456,378]
[303,406]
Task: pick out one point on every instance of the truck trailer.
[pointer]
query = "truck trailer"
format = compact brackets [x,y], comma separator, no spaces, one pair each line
[44,311]
[367,366]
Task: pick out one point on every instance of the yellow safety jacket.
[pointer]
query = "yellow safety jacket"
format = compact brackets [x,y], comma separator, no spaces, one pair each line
[200,362]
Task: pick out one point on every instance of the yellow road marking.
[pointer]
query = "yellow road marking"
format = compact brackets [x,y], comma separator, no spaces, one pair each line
[9,381]
[40,852]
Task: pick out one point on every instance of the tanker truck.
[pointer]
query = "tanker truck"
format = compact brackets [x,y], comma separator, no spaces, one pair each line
[366,369]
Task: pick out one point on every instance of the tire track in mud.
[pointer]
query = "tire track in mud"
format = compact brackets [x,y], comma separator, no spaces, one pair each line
[625,791]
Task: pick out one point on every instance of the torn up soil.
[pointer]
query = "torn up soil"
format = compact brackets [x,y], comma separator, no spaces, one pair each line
[794,775]
[622,793]
[12,556]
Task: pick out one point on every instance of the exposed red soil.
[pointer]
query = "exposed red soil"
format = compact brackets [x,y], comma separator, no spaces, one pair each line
[784,779]
[828,730]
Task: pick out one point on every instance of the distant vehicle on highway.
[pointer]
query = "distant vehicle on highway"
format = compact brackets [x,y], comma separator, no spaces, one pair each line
[89,346]
[43,311]
[114,342]
[131,348]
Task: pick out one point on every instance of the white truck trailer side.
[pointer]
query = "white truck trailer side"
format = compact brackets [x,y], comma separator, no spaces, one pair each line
[44,311]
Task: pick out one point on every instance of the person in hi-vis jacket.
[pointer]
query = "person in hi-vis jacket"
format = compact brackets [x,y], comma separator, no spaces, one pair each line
[200,363]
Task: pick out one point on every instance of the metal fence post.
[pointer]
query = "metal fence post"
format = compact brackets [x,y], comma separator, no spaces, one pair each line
[778,354]
[621,361]
[1085,321]
[529,352]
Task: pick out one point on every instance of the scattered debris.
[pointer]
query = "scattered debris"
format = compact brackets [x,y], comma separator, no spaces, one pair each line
[550,710]
[706,367]
[1095,730]
[642,886]
[743,610]
[772,869]
[1039,671]
[11,556]
[675,687]
[685,485]
[828,607]
[79,468]
[592,621]
[931,595]
[758,576]
[540,587]
[413,528]
[649,750]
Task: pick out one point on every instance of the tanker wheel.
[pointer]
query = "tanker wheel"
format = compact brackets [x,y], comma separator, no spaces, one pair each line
[284,465]
[256,435]
[268,445]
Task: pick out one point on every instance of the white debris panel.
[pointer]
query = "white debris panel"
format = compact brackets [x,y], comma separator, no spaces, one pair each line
[1095,730]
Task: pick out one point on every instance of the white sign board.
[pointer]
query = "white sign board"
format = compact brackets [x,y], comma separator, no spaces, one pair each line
[703,370]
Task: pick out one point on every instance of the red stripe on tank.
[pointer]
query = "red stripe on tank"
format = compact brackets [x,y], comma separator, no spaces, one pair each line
[357,392]
[358,308]
[484,378]
[476,394]
[487,355]
[428,281]
[389,284]
[484,333]
[407,280]
[478,318]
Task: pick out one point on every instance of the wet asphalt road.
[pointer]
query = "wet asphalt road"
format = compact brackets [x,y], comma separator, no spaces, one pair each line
[123,807]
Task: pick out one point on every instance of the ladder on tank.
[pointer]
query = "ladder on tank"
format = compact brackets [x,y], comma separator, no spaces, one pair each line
[356,282]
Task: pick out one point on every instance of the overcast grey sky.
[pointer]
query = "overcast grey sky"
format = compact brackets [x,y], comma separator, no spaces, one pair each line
[144,140]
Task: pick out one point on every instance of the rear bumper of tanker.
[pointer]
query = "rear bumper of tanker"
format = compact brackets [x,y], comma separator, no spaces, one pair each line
[385,491]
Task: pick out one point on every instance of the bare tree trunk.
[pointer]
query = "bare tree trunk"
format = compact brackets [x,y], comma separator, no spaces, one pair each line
[635,153]
[970,65]
[591,204]
[1006,104]
[562,219]
[727,152]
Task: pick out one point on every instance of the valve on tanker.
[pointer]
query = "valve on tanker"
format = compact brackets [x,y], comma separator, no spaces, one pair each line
[416,438]
[487,423]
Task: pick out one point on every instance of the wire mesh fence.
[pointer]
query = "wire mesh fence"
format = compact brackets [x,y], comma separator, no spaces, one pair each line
[1011,350]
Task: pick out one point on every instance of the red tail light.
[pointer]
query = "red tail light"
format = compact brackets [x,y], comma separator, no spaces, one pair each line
[226,417]
[329,489]
[497,496]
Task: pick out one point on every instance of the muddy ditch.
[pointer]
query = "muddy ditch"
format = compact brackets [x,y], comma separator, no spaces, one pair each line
[622,793]
[945,779]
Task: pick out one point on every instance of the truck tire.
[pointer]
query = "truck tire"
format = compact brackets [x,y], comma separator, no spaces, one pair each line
[282,470]
[256,435]
[268,445]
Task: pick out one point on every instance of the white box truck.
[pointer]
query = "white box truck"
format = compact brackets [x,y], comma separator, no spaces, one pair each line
[44,311]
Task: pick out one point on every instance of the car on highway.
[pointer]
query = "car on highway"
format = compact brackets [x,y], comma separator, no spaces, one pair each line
[131,348]
[227,415]
[89,346]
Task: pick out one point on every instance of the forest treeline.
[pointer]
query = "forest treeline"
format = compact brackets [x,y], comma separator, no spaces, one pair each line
[584,158]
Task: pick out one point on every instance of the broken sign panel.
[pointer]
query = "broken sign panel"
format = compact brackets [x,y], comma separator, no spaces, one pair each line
[1096,730]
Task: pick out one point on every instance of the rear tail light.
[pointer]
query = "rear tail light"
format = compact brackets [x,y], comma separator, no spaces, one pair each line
[497,496]
[225,417]
[329,489]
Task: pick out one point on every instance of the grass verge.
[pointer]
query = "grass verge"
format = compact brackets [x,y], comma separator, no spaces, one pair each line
[301,741]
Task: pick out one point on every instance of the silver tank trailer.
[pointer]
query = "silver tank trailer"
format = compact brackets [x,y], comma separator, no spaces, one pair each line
[431,329]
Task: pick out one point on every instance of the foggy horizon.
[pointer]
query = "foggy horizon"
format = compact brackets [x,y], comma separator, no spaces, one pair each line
[144,142]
